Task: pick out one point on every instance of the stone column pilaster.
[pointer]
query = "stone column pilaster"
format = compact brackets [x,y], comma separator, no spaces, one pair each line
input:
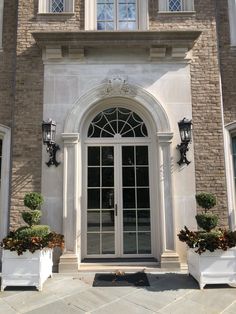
[169,257]
[69,261]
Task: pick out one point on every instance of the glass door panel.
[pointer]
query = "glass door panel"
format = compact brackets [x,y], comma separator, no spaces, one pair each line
[136,200]
[100,201]
[118,201]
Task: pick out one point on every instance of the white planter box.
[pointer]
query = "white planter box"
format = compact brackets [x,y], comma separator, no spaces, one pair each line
[218,267]
[29,269]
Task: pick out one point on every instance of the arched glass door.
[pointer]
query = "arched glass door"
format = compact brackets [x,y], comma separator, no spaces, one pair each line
[118,186]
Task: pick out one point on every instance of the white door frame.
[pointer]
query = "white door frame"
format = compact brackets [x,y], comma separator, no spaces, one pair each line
[5,135]
[118,144]
[141,101]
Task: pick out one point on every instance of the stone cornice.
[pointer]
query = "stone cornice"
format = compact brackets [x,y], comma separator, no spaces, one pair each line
[84,39]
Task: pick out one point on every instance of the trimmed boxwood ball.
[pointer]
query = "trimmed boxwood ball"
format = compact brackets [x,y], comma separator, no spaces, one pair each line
[33,200]
[32,217]
[207,221]
[34,231]
[206,200]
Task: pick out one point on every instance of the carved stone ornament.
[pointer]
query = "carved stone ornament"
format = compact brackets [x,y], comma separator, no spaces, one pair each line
[118,86]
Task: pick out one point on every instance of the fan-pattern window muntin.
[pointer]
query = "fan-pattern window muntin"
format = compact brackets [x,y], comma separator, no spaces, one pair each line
[117,14]
[117,122]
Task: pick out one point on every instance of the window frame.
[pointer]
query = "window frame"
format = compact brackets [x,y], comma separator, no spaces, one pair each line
[91,16]
[187,7]
[44,7]
[232,21]
[230,132]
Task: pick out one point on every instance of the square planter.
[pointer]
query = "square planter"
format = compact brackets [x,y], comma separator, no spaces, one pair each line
[29,269]
[218,267]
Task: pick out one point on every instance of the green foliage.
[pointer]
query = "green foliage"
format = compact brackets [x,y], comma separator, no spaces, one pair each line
[15,243]
[34,231]
[32,217]
[207,221]
[211,241]
[33,200]
[206,200]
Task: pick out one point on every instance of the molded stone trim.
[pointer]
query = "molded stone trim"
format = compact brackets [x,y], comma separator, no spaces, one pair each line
[5,135]
[138,94]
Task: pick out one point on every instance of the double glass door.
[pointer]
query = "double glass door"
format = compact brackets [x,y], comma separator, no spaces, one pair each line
[118,207]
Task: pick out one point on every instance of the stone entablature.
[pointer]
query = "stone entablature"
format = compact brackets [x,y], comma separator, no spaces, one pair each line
[171,44]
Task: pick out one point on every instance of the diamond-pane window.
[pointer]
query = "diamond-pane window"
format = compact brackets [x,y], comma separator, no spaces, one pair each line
[117,122]
[57,6]
[175,5]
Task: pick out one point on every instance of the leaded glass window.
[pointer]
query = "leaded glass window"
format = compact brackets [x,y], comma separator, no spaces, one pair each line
[57,6]
[117,122]
[117,14]
[175,5]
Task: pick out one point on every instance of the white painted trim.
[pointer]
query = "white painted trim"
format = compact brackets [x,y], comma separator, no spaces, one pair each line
[149,108]
[91,15]
[229,129]
[1,22]
[232,21]
[5,135]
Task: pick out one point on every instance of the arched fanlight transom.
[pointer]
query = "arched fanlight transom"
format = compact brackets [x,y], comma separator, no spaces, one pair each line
[117,122]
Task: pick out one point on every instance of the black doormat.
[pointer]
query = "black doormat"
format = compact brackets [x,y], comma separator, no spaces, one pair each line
[121,280]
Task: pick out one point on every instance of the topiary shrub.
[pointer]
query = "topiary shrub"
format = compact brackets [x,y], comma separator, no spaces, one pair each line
[206,200]
[207,221]
[33,200]
[32,237]
[34,231]
[32,217]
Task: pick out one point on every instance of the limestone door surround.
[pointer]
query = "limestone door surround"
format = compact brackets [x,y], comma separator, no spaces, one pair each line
[116,88]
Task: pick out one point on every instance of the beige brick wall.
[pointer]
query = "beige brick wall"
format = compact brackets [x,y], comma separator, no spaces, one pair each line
[228,64]
[7,57]
[208,140]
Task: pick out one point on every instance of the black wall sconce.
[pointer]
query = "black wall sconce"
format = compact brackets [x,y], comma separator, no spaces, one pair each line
[185,130]
[49,133]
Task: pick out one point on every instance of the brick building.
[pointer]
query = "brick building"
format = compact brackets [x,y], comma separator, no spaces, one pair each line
[117,76]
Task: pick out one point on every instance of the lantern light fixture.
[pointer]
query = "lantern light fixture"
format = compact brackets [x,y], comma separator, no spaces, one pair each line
[49,134]
[185,130]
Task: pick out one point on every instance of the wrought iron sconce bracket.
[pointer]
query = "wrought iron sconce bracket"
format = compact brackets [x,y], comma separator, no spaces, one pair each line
[52,150]
[183,149]
[185,130]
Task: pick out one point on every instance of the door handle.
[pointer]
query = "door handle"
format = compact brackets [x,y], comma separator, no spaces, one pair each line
[116,209]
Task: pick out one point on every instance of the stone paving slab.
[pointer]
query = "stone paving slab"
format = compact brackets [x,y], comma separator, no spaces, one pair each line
[168,293]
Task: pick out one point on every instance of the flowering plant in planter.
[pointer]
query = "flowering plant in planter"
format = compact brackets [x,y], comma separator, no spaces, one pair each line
[27,251]
[212,251]
[34,236]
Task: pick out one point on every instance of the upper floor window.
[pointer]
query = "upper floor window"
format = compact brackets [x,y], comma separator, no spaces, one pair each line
[116,15]
[1,21]
[232,21]
[56,6]
[176,5]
